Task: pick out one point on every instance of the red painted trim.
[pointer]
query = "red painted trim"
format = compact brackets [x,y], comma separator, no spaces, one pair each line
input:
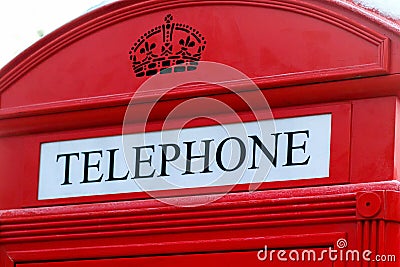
[64,233]
[373,138]
[171,248]
[300,95]
[339,160]
[371,14]
[306,206]
[124,10]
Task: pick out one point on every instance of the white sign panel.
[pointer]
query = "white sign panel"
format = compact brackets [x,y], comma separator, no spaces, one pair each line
[242,153]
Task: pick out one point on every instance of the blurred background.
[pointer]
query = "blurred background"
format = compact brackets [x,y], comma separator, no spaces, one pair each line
[23,22]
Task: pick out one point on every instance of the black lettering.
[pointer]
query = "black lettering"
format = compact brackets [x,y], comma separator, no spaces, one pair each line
[67,166]
[111,168]
[164,158]
[257,142]
[290,148]
[140,161]
[87,165]
[206,156]
[242,155]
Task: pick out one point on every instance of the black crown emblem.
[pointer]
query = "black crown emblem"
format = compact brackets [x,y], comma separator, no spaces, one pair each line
[171,47]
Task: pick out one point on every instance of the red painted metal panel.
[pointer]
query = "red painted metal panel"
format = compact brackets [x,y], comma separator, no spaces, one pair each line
[314,53]
[308,57]
[16,196]
[373,139]
[248,258]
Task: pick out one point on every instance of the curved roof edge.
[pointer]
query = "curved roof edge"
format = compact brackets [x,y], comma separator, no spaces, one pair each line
[371,14]
[68,27]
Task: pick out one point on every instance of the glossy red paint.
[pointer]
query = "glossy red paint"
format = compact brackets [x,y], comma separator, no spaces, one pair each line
[307,56]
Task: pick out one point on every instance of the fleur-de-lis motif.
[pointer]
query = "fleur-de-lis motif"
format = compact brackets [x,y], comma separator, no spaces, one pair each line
[186,44]
[148,49]
[161,48]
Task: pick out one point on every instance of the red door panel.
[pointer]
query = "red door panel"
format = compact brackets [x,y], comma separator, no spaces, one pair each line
[246,258]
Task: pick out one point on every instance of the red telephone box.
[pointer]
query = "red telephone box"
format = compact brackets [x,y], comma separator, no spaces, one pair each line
[90,177]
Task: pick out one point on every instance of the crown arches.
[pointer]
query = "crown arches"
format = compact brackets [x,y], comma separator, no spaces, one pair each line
[86,62]
[165,46]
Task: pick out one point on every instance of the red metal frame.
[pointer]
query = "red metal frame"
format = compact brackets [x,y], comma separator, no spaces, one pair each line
[340,154]
[310,217]
[323,57]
